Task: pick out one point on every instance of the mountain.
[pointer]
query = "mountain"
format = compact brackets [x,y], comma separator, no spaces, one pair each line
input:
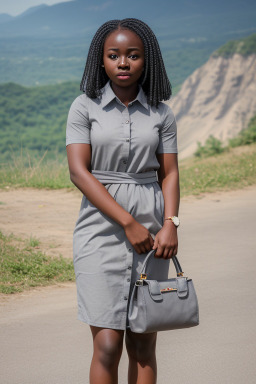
[218,98]
[4,17]
[31,10]
[204,18]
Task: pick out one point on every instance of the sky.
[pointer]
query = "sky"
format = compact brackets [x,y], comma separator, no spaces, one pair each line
[15,7]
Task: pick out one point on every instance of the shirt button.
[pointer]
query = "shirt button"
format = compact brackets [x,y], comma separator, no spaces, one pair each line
[128,279]
[127,140]
[129,267]
[129,249]
[127,122]
[125,298]
[124,161]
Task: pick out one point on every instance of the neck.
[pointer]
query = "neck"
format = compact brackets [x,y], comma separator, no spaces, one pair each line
[126,94]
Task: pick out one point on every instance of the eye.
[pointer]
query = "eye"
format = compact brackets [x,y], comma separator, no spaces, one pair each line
[133,57]
[113,56]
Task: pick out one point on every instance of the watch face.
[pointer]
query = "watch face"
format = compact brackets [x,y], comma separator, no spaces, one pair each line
[176,221]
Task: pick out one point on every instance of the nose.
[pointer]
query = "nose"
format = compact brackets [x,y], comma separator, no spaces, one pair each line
[123,62]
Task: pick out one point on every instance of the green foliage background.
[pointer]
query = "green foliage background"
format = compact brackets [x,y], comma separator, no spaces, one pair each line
[244,47]
[34,119]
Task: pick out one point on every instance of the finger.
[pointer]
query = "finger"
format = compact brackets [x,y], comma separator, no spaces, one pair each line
[149,246]
[159,251]
[155,243]
[151,242]
[166,253]
[143,248]
[170,254]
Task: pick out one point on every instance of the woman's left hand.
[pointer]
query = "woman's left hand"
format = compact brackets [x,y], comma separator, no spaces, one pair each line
[166,241]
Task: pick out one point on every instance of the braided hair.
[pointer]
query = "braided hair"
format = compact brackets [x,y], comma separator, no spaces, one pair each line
[154,80]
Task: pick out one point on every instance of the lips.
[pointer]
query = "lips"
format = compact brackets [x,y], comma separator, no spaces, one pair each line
[123,75]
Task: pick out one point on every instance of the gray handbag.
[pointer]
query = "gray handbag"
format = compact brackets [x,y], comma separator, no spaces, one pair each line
[162,305]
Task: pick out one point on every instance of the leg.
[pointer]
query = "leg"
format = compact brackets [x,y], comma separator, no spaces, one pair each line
[108,345]
[142,359]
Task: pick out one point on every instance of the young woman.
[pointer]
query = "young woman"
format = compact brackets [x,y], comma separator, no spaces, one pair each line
[122,155]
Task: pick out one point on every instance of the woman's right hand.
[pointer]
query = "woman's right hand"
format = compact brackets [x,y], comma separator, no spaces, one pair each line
[138,236]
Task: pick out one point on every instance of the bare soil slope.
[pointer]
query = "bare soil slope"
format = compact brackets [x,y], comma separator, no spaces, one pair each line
[217,99]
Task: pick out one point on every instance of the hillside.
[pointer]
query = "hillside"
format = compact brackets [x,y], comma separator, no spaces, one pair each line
[34,119]
[218,98]
[48,44]
[243,47]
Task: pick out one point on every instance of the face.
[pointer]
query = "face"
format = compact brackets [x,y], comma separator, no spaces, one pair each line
[123,58]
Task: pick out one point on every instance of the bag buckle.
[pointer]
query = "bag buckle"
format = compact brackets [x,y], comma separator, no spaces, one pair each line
[139,283]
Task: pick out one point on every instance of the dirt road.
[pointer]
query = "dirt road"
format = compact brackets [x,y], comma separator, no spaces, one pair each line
[42,342]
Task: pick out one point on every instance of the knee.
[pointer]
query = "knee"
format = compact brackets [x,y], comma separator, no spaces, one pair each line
[141,347]
[109,353]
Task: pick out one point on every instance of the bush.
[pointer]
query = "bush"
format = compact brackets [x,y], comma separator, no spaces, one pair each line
[212,147]
[246,136]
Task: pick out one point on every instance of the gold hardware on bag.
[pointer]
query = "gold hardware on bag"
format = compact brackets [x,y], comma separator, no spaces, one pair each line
[143,276]
[180,274]
[168,289]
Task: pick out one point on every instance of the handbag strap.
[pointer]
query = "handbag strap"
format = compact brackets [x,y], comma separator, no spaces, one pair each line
[174,259]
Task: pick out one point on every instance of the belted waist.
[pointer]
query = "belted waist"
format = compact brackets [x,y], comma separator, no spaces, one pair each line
[112,177]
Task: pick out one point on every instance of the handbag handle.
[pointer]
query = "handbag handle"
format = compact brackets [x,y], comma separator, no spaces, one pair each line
[174,259]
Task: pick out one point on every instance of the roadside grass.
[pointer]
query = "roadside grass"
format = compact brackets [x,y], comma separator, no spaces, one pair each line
[233,169]
[31,172]
[22,266]
[33,242]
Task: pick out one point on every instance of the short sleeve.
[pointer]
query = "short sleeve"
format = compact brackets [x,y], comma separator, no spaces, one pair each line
[168,133]
[78,125]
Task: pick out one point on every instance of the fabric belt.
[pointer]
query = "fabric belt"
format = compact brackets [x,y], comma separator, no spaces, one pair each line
[112,177]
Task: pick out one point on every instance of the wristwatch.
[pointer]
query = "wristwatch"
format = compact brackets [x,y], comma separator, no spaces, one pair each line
[174,219]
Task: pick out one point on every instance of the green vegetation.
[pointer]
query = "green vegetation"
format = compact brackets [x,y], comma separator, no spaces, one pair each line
[244,47]
[23,267]
[33,242]
[36,173]
[214,146]
[34,118]
[234,169]
[246,136]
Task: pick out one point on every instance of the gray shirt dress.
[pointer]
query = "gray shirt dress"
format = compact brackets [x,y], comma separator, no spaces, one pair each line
[124,142]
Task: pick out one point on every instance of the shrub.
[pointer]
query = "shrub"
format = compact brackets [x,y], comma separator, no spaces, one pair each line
[212,147]
[246,136]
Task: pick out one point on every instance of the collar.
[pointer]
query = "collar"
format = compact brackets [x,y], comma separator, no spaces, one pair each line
[108,95]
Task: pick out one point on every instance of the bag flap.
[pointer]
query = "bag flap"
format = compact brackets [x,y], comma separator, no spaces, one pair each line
[154,289]
[182,286]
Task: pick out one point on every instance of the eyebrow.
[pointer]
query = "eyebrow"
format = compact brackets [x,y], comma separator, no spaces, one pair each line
[129,49]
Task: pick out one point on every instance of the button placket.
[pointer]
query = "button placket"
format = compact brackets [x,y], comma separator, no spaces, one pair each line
[129,261]
[126,132]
